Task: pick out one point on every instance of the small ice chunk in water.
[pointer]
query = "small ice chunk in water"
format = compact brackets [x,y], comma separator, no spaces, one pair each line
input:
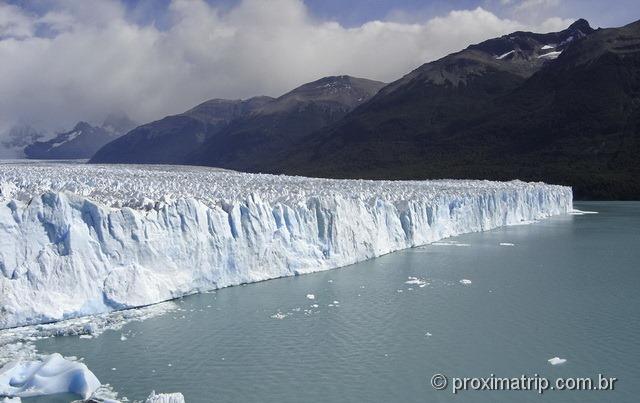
[449,243]
[165,398]
[278,315]
[417,281]
[465,281]
[428,334]
[53,375]
[86,336]
[557,360]
[315,306]
[123,337]
[311,296]
[581,212]
[336,302]
[507,244]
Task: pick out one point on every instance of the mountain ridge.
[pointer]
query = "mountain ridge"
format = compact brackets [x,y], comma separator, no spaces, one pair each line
[82,141]
[559,107]
[574,121]
[222,132]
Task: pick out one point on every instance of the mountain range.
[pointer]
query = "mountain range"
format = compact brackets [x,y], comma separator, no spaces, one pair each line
[235,133]
[560,107]
[82,141]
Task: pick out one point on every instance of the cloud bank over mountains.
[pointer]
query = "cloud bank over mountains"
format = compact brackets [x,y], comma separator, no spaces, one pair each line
[80,60]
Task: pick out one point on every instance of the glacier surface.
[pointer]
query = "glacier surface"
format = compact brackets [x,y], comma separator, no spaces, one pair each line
[80,239]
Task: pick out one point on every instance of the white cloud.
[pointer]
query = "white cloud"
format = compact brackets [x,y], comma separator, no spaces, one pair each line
[14,23]
[98,61]
[526,5]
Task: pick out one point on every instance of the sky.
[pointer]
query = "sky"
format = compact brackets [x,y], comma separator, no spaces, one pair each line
[62,61]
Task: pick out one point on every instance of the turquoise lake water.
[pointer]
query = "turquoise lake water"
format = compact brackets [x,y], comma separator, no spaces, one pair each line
[568,287]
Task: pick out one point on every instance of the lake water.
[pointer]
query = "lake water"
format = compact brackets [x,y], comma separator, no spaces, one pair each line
[569,287]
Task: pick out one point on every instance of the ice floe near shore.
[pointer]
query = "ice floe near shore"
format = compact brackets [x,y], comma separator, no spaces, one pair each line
[84,239]
[17,343]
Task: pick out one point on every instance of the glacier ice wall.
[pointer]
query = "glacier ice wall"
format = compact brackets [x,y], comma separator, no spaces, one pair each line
[83,239]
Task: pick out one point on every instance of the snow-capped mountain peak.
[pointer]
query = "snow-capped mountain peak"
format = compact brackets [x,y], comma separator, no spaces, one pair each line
[80,142]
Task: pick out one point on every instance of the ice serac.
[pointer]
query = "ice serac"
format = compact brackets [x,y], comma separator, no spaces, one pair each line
[85,239]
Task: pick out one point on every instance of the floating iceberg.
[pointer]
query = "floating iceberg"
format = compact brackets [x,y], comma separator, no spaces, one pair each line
[557,361]
[82,239]
[50,376]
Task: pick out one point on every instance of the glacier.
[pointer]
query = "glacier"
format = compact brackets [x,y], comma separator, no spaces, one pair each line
[78,239]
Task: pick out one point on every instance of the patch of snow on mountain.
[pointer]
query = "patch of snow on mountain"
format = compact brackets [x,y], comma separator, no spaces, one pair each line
[550,56]
[547,47]
[67,139]
[88,239]
[568,40]
[505,55]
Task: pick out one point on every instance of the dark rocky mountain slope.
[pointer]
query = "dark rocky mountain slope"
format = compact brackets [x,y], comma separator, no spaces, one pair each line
[503,109]
[233,134]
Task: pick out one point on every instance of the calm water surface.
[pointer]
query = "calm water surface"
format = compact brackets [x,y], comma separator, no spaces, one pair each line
[568,288]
